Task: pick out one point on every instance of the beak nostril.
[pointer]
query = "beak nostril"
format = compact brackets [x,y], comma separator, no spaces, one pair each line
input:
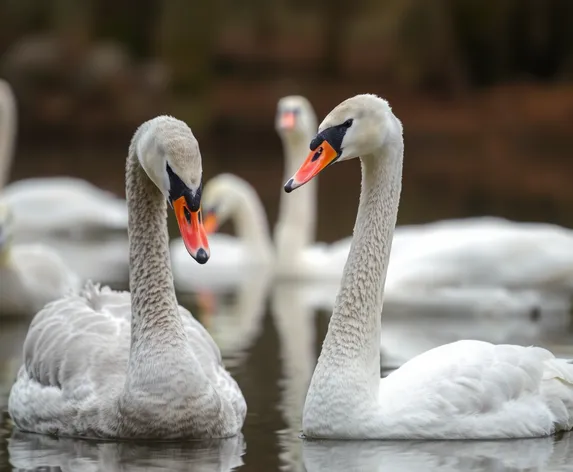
[201,256]
[187,215]
[317,154]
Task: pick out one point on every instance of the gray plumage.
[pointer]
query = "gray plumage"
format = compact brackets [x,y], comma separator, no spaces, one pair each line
[118,365]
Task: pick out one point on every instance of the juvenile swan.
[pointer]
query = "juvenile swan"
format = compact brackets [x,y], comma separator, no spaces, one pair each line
[463,390]
[110,365]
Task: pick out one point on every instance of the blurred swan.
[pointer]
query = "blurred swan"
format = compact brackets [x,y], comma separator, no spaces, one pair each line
[543,454]
[31,275]
[462,390]
[118,365]
[102,259]
[54,204]
[33,452]
[298,255]
[485,253]
[229,197]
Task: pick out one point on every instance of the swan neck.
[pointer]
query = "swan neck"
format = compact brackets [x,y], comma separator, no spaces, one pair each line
[296,225]
[155,319]
[250,222]
[7,131]
[353,338]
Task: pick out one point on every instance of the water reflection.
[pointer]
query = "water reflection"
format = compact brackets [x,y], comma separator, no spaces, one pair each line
[234,320]
[293,313]
[271,348]
[35,452]
[543,455]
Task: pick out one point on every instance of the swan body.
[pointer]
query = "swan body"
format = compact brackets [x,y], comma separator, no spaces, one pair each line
[463,390]
[103,259]
[482,252]
[64,205]
[227,196]
[117,365]
[31,275]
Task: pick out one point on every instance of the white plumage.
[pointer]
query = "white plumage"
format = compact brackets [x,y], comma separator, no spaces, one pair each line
[462,390]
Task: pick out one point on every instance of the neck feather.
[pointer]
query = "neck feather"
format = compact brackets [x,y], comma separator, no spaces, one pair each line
[353,338]
[296,224]
[250,222]
[155,319]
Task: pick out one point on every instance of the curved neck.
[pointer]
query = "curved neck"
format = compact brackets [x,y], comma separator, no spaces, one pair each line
[353,338]
[250,222]
[296,224]
[155,320]
[7,131]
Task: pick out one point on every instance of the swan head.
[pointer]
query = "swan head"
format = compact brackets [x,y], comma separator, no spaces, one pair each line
[169,154]
[295,117]
[223,198]
[357,127]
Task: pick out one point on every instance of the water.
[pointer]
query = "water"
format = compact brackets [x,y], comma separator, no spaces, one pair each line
[270,337]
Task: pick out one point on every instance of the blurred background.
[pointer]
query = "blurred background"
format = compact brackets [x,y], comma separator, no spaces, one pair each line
[484,90]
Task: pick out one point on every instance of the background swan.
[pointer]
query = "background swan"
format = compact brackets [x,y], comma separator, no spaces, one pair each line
[463,390]
[85,225]
[298,255]
[58,204]
[485,253]
[113,364]
[226,197]
[31,275]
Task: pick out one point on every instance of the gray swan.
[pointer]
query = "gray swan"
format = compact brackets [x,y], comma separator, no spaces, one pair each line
[107,364]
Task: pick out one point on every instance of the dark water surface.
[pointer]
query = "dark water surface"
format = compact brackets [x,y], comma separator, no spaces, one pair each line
[270,338]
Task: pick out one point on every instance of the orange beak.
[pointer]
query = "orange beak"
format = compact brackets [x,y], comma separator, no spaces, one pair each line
[315,162]
[287,120]
[210,222]
[192,231]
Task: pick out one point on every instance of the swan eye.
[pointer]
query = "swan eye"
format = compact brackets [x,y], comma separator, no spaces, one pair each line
[347,123]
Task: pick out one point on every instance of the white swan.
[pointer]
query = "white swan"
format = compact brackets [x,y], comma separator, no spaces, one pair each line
[114,365]
[298,255]
[31,275]
[67,214]
[59,204]
[467,389]
[227,197]
[483,253]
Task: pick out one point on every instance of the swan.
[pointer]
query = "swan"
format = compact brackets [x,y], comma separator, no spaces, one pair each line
[227,196]
[482,253]
[463,390]
[31,275]
[64,213]
[112,364]
[298,255]
[52,204]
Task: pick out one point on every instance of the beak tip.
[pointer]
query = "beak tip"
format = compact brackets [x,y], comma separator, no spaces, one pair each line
[202,257]
[290,186]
